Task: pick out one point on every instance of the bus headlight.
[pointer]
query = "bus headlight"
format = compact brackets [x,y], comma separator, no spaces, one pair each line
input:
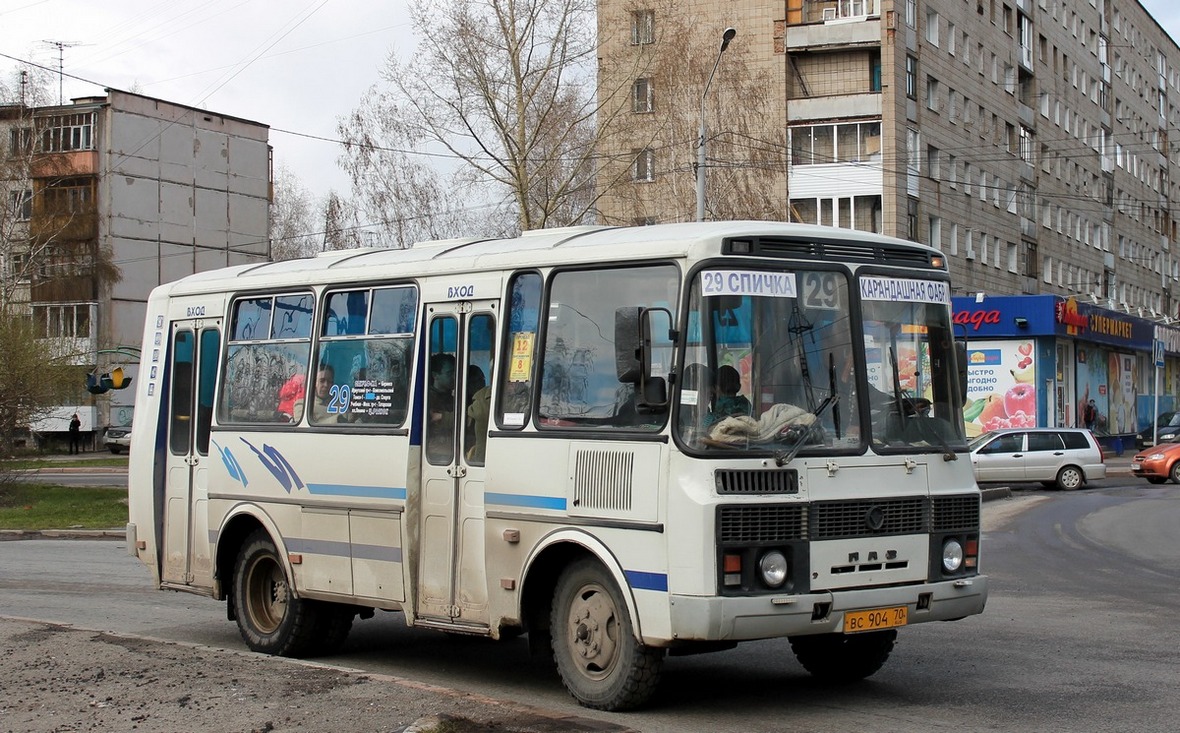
[952,555]
[773,568]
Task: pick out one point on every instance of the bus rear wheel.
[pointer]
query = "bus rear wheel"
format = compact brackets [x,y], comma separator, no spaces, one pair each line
[600,661]
[270,618]
[843,657]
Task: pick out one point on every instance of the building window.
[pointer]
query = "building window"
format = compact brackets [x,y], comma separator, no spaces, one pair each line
[935,232]
[932,27]
[1026,145]
[862,213]
[69,196]
[875,71]
[911,13]
[63,320]
[933,168]
[1032,262]
[645,165]
[62,133]
[850,142]
[932,94]
[20,141]
[911,77]
[641,96]
[643,24]
[20,204]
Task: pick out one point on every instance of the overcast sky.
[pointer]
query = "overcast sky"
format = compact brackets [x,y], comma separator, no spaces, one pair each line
[296,65]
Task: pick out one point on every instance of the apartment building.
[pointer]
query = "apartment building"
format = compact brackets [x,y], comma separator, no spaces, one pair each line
[148,189]
[1030,140]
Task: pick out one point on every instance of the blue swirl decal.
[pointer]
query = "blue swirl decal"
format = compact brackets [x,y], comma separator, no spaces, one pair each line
[234,468]
[277,465]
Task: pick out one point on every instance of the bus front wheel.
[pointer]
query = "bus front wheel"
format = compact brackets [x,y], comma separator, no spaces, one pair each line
[270,619]
[843,657]
[601,663]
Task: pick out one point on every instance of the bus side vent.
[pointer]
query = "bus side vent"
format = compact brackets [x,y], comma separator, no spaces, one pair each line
[840,519]
[758,481]
[756,524]
[954,513]
[603,479]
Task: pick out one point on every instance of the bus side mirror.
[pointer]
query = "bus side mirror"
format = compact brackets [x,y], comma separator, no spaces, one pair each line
[643,350]
[961,366]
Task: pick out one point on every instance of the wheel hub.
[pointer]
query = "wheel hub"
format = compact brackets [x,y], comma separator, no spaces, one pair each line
[592,623]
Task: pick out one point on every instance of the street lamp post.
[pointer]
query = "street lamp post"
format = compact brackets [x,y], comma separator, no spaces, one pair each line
[726,37]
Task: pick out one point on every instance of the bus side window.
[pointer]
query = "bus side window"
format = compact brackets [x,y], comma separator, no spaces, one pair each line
[519,351]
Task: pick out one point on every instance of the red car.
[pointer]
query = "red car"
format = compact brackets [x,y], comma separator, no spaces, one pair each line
[1158,464]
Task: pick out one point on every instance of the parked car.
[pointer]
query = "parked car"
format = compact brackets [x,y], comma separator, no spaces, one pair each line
[1158,463]
[117,439]
[1168,430]
[1062,457]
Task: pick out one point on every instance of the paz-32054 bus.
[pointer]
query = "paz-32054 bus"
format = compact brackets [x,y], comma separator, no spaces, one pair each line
[624,442]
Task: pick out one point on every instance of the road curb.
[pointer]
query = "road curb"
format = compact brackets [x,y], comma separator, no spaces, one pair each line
[63,534]
[998,492]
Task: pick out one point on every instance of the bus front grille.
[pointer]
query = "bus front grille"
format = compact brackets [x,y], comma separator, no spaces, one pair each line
[756,524]
[871,518]
[954,513]
[834,520]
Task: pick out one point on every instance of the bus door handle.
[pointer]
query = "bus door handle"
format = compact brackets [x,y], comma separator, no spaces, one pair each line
[457,471]
[192,460]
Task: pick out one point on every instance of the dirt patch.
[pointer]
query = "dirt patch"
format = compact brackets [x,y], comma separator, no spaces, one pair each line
[58,678]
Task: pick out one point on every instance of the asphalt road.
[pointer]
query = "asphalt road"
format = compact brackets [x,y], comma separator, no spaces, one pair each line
[1076,636]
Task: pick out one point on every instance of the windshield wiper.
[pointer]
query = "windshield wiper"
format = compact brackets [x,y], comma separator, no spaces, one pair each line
[799,433]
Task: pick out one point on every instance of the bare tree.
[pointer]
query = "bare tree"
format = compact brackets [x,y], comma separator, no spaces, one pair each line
[293,230]
[403,195]
[340,225]
[504,90]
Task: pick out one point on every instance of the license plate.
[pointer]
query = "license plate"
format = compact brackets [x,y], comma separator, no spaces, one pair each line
[875,619]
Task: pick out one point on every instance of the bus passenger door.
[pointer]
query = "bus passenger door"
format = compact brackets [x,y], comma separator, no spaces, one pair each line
[193,356]
[451,570]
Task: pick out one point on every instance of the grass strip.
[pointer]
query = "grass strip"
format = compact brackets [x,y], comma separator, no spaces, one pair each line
[47,506]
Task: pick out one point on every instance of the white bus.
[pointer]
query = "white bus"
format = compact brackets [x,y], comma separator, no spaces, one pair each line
[624,442]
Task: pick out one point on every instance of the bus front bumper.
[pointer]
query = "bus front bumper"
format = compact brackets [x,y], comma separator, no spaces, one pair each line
[696,618]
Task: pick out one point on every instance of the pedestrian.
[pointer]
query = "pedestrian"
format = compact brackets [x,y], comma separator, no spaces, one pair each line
[1090,415]
[75,434]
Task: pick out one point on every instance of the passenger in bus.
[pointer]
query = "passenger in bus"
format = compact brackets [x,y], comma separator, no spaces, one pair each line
[728,402]
[440,406]
[291,392]
[324,378]
[479,410]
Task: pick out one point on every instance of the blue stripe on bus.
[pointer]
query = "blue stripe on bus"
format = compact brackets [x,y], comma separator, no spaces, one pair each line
[526,500]
[368,492]
[640,580]
[344,549]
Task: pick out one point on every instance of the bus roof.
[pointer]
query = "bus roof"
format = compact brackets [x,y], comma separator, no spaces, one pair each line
[568,245]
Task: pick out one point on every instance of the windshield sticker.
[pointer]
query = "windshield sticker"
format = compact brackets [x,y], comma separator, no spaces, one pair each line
[748,282]
[904,290]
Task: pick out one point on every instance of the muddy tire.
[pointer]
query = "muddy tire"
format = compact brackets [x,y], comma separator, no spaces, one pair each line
[270,618]
[598,657]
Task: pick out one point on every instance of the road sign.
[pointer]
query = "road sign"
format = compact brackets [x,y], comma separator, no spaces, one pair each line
[1158,353]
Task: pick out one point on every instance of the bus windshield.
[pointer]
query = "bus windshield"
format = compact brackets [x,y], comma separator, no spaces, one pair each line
[909,353]
[774,363]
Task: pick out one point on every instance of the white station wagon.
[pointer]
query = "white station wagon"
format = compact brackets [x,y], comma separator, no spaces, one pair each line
[1062,457]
